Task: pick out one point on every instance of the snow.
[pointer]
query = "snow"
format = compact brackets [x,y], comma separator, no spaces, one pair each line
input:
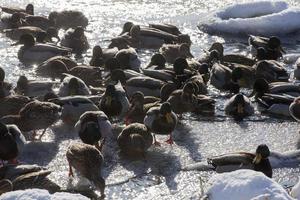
[38,194]
[258,18]
[245,184]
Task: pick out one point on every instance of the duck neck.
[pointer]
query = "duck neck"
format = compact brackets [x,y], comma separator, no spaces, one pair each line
[264,166]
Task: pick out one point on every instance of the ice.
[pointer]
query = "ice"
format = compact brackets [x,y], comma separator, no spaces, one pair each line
[258,18]
[245,185]
[38,194]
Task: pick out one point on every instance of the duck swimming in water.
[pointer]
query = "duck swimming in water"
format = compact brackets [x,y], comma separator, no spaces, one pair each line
[87,160]
[161,120]
[31,53]
[69,19]
[71,86]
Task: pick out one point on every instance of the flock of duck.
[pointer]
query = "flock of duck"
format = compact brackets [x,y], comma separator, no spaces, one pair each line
[114,88]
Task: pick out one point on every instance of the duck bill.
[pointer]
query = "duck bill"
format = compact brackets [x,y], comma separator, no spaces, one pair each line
[169,118]
[257,158]
[108,100]
[240,109]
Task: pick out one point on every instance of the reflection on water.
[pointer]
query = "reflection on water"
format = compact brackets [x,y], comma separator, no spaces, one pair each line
[157,177]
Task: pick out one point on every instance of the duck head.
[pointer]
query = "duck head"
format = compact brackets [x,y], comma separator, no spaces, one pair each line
[126,27]
[274,42]
[137,99]
[109,93]
[240,104]
[159,60]
[166,111]
[184,51]
[214,57]
[260,87]
[29,9]
[180,65]
[204,71]
[135,31]
[91,130]
[22,84]
[138,144]
[261,53]
[73,86]
[97,52]
[2,74]
[78,32]
[262,152]
[217,46]
[26,39]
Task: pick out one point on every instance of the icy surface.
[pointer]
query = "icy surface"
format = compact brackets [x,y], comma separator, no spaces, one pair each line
[258,18]
[158,176]
[244,185]
[38,194]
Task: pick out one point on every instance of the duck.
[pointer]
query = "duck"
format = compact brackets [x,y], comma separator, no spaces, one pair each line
[199,84]
[243,160]
[157,62]
[29,9]
[52,69]
[69,19]
[12,104]
[220,76]
[9,147]
[69,62]
[40,21]
[294,109]
[5,87]
[271,70]
[91,76]
[31,53]
[161,120]
[297,70]
[275,104]
[128,59]
[87,160]
[163,75]
[261,86]
[204,105]
[92,127]
[114,102]
[13,21]
[76,40]
[33,88]
[16,33]
[239,106]
[72,85]
[173,51]
[35,115]
[24,176]
[100,56]
[138,108]
[243,76]
[134,140]
[272,46]
[73,107]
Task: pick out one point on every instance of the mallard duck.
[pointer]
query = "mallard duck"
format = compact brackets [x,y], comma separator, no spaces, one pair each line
[295,109]
[53,69]
[114,102]
[12,104]
[128,59]
[93,126]
[183,100]
[220,76]
[271,70]
[162,75]
[272,46]
[158,61]
[32,53]
[239,106]
[87,160]
[24,177]
[138,108]
[275,104]
[173,51]
[5,87]
[198,83]
[261,86]
[100,56]
[243,160]
[33,88]
[29,9]
[16,33]
[69,19]
[243,76]
[73,107]
[70,63]
[161,120]
[71,85]
[35,115]
[40,21]
[76,40]
[134,140]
